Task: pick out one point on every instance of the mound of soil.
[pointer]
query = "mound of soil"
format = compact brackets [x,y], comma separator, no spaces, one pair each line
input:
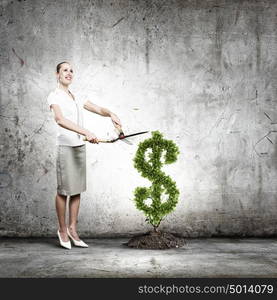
[156,240]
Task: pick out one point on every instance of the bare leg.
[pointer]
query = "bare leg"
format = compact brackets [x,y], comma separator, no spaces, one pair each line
[74,205]
[61,210]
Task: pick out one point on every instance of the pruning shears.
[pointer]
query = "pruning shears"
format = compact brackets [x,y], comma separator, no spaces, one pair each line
[121,137]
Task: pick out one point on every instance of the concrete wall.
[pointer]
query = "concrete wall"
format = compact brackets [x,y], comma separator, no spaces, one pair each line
[201,72]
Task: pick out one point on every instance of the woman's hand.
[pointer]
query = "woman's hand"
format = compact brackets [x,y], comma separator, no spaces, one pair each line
[91,138]
[116,121]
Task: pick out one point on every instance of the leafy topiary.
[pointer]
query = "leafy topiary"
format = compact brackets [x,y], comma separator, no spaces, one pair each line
[161,183]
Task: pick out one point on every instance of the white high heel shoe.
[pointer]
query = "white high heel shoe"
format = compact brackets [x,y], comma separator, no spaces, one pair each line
[75,242]
[66,245]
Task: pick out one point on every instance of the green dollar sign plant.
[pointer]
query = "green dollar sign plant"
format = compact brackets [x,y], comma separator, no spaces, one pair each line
[150,167]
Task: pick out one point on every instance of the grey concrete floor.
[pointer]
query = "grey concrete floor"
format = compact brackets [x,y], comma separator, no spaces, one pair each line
[213,257]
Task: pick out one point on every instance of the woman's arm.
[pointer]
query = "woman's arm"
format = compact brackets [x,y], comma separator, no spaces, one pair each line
[67,124]
[103,112]
[97,109]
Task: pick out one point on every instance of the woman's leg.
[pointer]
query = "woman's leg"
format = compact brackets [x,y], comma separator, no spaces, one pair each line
[61,212]
[74,205]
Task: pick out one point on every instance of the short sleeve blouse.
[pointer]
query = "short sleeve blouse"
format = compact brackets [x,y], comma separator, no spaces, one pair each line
[71,110]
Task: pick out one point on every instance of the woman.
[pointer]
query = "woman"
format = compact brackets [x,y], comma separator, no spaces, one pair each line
[71,151]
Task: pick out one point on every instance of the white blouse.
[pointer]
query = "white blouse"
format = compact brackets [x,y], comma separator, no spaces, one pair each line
[71,110]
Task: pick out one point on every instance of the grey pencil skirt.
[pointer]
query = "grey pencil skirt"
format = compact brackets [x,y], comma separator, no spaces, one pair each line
[71,170]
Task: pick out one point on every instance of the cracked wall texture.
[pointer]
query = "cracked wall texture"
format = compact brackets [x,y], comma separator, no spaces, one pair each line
[201,72]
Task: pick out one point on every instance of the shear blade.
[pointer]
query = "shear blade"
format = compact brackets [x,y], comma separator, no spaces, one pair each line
[126,141]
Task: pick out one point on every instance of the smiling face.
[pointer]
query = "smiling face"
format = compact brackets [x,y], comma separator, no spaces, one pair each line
[65,74]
